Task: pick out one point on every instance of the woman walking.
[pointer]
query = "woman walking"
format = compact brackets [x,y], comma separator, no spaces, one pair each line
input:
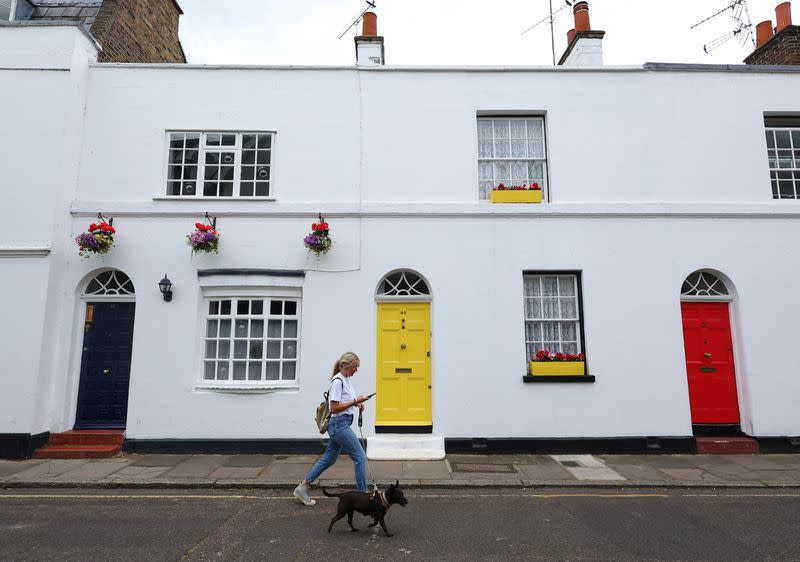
[344,403]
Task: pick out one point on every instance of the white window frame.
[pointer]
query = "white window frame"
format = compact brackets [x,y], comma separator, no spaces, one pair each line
[774,160]
[12,8]
[237,166]
[528,138]
[233,293]
[577,319]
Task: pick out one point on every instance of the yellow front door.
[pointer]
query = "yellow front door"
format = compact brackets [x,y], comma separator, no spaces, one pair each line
[404,365]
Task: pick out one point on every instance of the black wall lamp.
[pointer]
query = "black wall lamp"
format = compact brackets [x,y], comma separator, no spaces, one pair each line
[165,286]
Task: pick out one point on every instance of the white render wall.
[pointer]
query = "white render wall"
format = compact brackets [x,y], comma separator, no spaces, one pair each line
[653,175]
[44,76]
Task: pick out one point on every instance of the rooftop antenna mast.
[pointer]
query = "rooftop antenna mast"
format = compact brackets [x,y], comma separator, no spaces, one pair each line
[743,27]
[550,19]
[370,6]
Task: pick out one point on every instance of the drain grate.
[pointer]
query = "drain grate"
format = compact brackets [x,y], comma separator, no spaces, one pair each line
[569,463]
[482,467]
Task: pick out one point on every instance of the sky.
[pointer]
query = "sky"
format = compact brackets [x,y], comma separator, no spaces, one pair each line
[456,32]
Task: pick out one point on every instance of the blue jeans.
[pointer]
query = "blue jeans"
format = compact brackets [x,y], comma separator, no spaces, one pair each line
[342,438]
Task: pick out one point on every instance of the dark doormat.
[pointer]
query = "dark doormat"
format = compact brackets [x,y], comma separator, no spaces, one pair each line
[482,467]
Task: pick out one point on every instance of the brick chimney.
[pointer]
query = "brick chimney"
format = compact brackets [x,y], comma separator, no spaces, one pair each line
[584,45]
[369,45]
[778,47]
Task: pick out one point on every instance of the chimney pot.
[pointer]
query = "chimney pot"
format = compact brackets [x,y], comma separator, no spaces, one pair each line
[581,11]
[763,33]
[370,25]
[784,16]
[570,36]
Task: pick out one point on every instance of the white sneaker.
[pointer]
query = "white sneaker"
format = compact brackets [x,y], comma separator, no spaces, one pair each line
[301,493]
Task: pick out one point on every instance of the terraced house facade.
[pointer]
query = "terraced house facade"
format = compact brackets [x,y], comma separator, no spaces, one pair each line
[659,249]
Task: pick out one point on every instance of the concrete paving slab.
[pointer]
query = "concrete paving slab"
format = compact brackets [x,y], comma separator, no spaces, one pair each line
[487,476]
[137,472]
[740,473]
[339,471]
[93,470]
[284,472]
[230,472]
[691,474]
[717,462]
[248,461]
[624,459]
[788,461]
[779,475]
[595,473]
[196,466]
[582,461]
[296,459]
[544,472]
[488,459]
[781,483]
[383,471]
[49,469]
[425,470]
[760,462]
[672,461]
[157,460]
[639,472]
[8,468]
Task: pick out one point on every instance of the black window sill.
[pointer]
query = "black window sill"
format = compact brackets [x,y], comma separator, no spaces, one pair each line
[562,378]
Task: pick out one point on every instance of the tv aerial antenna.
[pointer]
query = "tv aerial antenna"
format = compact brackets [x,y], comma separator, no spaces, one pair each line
[742,26]
[550,18]
[370,6]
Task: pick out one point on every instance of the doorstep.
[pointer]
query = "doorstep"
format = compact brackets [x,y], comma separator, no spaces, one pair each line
[726,446]
[405,447]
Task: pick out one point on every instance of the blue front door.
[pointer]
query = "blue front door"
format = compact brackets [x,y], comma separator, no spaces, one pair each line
[105,365]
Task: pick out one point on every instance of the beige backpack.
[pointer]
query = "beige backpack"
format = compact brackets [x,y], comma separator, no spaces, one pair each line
[323,415]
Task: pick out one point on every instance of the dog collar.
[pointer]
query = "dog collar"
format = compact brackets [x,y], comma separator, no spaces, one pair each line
[384,502]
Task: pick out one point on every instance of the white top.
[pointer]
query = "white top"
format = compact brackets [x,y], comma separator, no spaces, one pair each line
[342,392]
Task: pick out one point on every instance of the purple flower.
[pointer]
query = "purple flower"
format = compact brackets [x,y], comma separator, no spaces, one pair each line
[203,241]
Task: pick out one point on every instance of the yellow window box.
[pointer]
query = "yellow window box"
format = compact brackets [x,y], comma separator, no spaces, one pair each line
[516,196]
[557,368]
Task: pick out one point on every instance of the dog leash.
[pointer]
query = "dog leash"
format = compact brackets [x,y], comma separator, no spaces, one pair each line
[369,470]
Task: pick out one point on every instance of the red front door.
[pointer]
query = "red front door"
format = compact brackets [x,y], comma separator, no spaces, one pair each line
[709,362]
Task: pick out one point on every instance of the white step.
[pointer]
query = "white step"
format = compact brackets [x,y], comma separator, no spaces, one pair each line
[405,447]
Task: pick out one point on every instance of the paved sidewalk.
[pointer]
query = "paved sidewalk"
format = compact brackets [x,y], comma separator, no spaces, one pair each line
[285,471]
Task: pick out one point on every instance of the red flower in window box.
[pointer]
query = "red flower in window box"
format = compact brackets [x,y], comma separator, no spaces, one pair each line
[524,187]
[544,355]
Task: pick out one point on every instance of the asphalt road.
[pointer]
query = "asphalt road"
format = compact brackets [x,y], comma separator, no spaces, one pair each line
[471,524]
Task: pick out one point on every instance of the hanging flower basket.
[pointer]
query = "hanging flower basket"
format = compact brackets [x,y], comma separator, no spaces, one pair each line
[546,363]
[517,193]
[319,240]
[205,238]
[98,239]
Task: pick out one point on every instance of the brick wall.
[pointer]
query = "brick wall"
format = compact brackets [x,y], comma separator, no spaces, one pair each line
[139,31]
[783,48]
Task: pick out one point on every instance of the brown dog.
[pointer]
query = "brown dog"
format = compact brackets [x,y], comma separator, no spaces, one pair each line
[366,503]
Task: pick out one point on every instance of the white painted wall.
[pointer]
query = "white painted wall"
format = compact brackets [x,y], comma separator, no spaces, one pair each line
[652,176]
[588,51]
[44,72]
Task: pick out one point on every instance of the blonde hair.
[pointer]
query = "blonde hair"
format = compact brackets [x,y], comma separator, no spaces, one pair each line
[345,360]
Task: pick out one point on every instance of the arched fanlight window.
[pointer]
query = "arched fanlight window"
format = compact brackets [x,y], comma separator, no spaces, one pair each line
[403,283]
[703,284]
[110,283]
